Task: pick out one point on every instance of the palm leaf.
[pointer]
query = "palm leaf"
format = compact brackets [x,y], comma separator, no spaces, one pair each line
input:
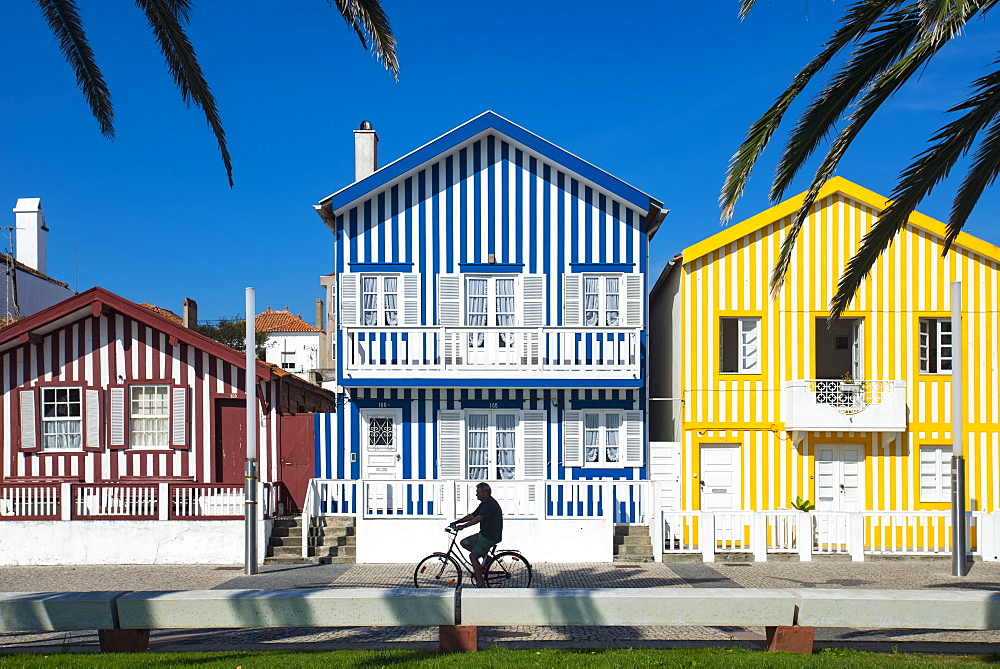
[164,17]
[879,91]
[370,21]
[926,171]
[64,21]
[857,20]
[894,35]
[982,173]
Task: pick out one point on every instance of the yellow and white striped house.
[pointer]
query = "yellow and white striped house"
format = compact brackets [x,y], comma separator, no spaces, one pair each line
[756,402]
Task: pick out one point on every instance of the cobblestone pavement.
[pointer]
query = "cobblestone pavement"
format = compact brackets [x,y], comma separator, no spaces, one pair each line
[879,575]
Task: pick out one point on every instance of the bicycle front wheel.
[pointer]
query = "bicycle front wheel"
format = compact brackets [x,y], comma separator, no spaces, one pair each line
[437,571]
[509,569]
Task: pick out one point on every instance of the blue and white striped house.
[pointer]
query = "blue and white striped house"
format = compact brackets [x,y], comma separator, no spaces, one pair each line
[486,321]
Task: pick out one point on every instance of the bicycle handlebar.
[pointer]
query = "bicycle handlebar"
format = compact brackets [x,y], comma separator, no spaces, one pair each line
[451,529]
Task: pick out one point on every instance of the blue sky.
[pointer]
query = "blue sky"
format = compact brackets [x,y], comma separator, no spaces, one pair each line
[659,96]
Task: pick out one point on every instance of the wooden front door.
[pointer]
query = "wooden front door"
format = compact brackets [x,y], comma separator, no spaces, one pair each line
[296,457]
[230,443]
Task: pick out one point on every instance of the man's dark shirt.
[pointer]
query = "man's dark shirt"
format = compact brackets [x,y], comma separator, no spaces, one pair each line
[491,526]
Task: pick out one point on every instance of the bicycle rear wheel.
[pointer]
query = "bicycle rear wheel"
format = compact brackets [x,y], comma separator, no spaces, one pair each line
[509,569]
[437,571]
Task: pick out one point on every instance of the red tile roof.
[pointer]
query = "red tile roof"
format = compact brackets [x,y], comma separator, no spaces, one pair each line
[282,321]
[166,313]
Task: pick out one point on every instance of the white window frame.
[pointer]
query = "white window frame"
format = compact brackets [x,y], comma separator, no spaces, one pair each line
[491,298]
[492,432]
[602,438]
[288,360]
[602,299]
[381,311]
[932,346]
[935,470]
[747,343]
[67,419]
[135,418]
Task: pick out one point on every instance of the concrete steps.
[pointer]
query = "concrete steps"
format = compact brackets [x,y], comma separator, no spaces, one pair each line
[331,541]
[632,544]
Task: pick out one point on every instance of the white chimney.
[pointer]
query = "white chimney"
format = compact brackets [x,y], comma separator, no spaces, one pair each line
[30,233]
[365,151]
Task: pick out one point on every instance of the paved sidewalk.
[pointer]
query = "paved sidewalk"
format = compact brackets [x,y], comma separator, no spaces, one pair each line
[879,575]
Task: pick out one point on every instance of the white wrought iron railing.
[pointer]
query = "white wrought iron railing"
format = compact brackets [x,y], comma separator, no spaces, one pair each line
[604,352]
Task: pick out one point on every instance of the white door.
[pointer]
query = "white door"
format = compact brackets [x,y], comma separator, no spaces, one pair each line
[720,477]
[840,477]
[490,302]
[382,459]
[664,468]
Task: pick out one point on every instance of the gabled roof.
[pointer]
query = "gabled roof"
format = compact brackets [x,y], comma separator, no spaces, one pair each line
[97,301]
[282,321]
[834,185]
[486,121]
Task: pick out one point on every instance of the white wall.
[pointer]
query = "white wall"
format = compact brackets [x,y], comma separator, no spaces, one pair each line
[79,542]
[305,346]
[33,293]
[409,540]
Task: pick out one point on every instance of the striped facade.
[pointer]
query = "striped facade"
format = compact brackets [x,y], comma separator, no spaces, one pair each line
[726,277]
[487,201]
[103,344]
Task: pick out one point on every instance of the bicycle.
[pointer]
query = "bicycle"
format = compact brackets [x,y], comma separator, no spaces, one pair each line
[503,569]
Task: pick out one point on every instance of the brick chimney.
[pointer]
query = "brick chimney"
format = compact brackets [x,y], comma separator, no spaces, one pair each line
[30,233]
[365,151]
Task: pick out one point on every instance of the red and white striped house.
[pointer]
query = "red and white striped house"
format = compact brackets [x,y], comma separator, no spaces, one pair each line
[109,410]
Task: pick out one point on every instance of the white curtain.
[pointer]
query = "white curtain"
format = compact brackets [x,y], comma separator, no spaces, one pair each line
[592,436]
[505,308]
[612,300]
[476,306]
[612,424]
[505,446]
[478,445]
[591,300]
[370,300]
[391,313]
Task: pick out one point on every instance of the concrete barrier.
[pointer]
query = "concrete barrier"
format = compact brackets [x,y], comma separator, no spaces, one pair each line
[57,611]
[907,609]
[348,607]
[628,606]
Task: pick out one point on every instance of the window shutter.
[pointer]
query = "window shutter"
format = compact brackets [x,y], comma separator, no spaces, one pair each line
[633,439]
[572,439]
[29,421]
[450,426]
[572,285]
[533,300]
[534,426]
[449,299]
[411,299]
[178,417]
[117,421]
[749,345]
[634,300]
[349,299]
[92,420]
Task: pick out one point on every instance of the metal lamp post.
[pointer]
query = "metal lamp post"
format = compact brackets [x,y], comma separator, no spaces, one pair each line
[250,470]
[959,536]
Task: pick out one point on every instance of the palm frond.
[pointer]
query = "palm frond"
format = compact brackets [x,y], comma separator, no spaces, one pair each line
[892,37]
[745,7]
[64,21]
[164,17]
[937,17]
[925,172]
[982,173]
[370,21]
[857,21]
[879,91]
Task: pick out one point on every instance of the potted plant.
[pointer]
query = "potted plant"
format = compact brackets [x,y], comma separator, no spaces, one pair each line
[848,384]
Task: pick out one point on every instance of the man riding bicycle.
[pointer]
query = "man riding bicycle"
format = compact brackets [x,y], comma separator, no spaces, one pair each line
[489,516]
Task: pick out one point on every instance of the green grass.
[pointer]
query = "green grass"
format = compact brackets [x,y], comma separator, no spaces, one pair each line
[495,658]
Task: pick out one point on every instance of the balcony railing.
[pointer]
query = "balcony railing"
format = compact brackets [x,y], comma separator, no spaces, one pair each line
[832,405]
[491,352]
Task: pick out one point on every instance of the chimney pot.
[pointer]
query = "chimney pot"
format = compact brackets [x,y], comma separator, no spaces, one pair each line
[365,151]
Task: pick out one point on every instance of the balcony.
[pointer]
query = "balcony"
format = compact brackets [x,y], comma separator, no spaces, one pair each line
[826,405]
[444,354]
